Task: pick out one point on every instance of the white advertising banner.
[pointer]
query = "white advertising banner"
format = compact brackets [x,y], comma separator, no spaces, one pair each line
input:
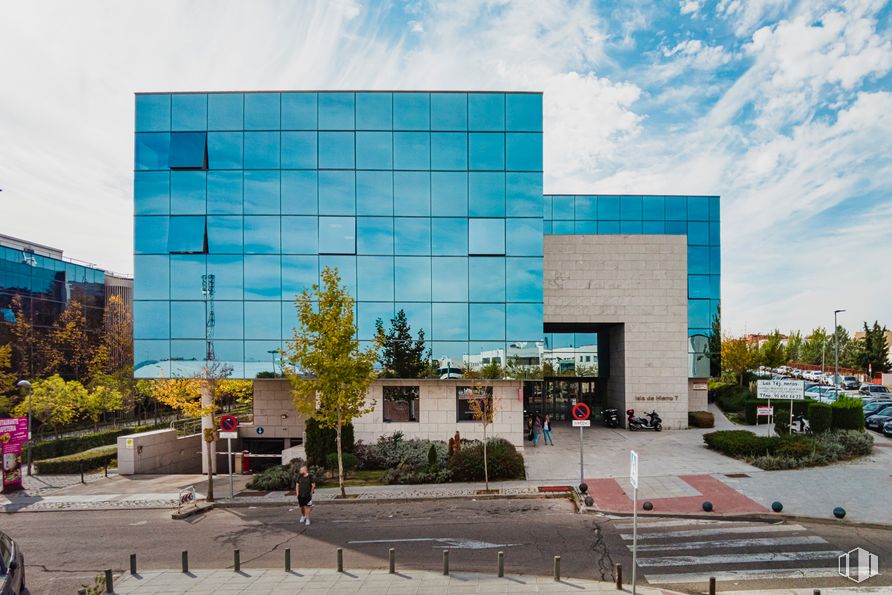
[781,389]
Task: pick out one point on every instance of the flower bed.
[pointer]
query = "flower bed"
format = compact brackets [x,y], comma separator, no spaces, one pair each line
[793,451]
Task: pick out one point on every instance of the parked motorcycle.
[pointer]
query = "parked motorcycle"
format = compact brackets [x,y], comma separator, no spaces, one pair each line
[653,421]
[800,425]
[611,417]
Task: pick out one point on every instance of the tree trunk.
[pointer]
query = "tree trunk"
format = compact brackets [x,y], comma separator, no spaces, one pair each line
[340,459]
[485,465]
[210,452]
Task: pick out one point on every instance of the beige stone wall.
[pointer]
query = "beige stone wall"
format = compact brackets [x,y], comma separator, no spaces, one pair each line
[272,399]
[159,451]
[698,395]
[639,282]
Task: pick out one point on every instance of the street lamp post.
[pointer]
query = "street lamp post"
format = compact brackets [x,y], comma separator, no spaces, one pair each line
[26,386]
[272,353]
[836,348]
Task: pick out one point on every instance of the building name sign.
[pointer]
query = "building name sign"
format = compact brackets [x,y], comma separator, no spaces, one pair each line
[781,389]
[656,397]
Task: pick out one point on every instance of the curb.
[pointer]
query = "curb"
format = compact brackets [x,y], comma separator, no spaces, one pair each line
[403,500]
[198,508]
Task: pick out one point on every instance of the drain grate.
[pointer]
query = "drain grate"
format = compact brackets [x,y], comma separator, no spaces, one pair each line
[736,475]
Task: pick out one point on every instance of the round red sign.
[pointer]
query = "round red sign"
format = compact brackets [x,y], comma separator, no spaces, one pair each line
[581,411]
[228,423]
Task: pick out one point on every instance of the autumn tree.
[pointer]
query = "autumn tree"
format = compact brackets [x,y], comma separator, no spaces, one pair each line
[69,347]
[483,405]
[99,401]
[54,401]
[24,340]
[401,355]
[7,379]
[738,356]
[329,374]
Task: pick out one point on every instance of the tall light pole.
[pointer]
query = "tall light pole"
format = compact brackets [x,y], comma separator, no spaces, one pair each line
[26,386]
[836,348]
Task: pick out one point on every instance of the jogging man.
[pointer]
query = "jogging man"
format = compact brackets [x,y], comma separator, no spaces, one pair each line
[306,487]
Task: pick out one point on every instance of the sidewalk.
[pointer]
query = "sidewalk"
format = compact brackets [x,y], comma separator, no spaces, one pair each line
[367,582]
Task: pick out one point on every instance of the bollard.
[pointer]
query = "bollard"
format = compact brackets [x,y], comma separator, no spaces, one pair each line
[501,564]
[712,585]
[106,469]
[81,592]
[391,555]
[109,582]
[557,568]
[445,562]
[185,561]
[237,560]
[340,560]
[619,577]
[132,563]
[288,559]
[817,592]
[81,465]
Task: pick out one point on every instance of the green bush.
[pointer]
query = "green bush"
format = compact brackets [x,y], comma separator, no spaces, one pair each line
[51,449]
[320,442]
[751,404]
[349,460]
[781,421]
[88,460]
[280,477]
[701,419]
[390,451]
[729,397]
[503,461]
[791,452]
[847,414]
[404,475]
[740,443]
[820,417]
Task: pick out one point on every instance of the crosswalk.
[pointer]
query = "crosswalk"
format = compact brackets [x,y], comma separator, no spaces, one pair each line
[690,551]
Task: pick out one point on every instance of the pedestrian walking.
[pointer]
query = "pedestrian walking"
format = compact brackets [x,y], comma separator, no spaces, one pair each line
[546,431]
[306,487]
[537,429]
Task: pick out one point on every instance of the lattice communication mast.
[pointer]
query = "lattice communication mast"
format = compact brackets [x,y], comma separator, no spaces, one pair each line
[207,289]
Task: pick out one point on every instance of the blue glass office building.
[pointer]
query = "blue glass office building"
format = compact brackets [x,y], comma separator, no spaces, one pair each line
[427,202]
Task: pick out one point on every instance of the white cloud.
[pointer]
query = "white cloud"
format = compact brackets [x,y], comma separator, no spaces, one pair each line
[749,14]
[691,7]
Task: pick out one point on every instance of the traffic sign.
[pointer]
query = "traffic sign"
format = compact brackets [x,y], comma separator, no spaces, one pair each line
[581,411]
[259,431]
[228,435]
[633,469]
[582,423]
[762,410]
[228,423]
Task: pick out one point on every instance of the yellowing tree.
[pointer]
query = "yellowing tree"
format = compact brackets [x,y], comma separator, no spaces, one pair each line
[483,406]
[330,376]
[101,400]
[738,356]
[55,401]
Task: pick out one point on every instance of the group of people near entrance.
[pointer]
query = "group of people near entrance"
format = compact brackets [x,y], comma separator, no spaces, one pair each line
[539,425]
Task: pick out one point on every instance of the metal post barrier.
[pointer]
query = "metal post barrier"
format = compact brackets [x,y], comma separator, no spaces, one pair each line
[619,577]
[81,465]
[237,560]
[445,562]
[288,559]
[132,563]
[340,560]
[185,561]
[81,592]
[557,568]
[501,564]
[817,592]
[109,582]
[106,469]
[712,585]
[391,556]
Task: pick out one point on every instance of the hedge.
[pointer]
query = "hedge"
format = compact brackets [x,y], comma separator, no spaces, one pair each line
[68,445]
[730,397]
[740,443]
[848,414]
[751,404]
[88,460]
[701,419]
[320,442]
[503,461]
[820,417]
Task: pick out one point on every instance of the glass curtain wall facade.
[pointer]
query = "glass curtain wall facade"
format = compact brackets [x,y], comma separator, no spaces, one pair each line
[426,202]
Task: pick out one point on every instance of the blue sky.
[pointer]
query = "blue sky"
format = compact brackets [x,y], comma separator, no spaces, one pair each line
[783,108]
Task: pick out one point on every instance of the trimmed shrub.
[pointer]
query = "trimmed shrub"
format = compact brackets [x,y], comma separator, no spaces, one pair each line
[820,417]
[701,419]
[95,458]
[503,461]
[729,397]
[847,414]
[403,474]
[51,449]
[433,461]
[320,442]
[393,450]
[740,443]
[349,459]
[781,421]
[280,477]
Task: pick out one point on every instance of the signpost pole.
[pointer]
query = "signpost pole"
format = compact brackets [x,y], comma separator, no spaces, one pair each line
[791,416]
[633,479]
[770,416]
[581,472]
[229,460]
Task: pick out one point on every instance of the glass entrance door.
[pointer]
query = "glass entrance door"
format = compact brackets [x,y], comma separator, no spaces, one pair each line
[556,397]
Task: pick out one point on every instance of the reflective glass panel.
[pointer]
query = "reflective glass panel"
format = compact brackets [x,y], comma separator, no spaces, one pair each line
[298,273]
[226,111]
[228,274]
[374,235]
[450,279]
[262,193]
[630,227]
[368,313]
[374,111]
[713,208]
[336,111]
[152,113]
[263,277]
[187,320]
[418,316]
[224,192]
[151,277]
[150,235]
[229,322]
[449,111]
[450,323]
[300,192]
[262,111]
[374,193]
[676,227]
[187,192]
[151,359]
[411,111]
[374,278]
[337,192]
[262,235]
[225,150]
[698,286]
[698,260]
[523,279]
[262,150]
[412,235]
[346,266]
[578,207]
[524,194]
[336,150]
[524,237]
[298,111]
[189,112]
[523,151]
[299,150]
[698,233]
[187,235]
[631,208]
[374,150]
[486,194]
[698,208]
[263,320]
[523,112]
[186,273]
[608,208]
[449,194]
[152,150]
[486,280]
[523,322]
[486,111]
[411,150]
[411,193]
[412,279]
[486,151]
[585,227]
[188,150]
[151,320]
[487,322]
[449,150]
[653,208]
[676,208]
[698,313]
[151,192]
[300,235]
[486,236]
[337,235]
[608,227]
[449,236]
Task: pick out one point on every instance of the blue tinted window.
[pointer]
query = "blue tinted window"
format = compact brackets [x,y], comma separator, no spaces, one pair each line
[411,193]
[698,313]
[523,279]
[299,111]
[337,235]
[449,236]
[228,274]
[300,235]
[523,151]
[715,286]
[336,150]
[547,202]
[715,260]
[411,111]
[608,227]
[418,315]
[189,112]
[698,260]
[374,150]
[262,150]
[524,237]
[714,208]
[631,208]
[150,235]
[262,193]
[698,208]
[562,227]
[151,192]
[374,235]
[449,150]
[337,192]
[263,320]
[486,194]
[523,112]
[186,235]
[262,235]
[487,321]
[486,279]
[676,227]
[299,192]
[152,113]
[486,111]
[449,111]
[224,194]
[653,208]
[374,278]
[676,208]
[523,322]
[225,235]
[187,192]
[368,313]
[563,207]
[262,111]
[698,286]
[188,150]
[229,324]
[374,193]
[298,150]
[151,277]
[486,151]
[189,320]
[185,276]
[336,111]
[226,111]
[411,150]
[225,150]
[374,111]
[585,227]
[449,193]
[450,323]
[608,207]
[486,236]
[298,273]
[412,235]
[151,320]
[714,233]
[263,277]
[698,233]
[346,266]
[152,150]
[524,194]
[630,227]
[412,279]
[450,279]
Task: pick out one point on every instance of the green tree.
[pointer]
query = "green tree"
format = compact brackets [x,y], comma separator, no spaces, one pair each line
[401,356]
[492,370]
[874,352]
[69,347]
[738,356]
[714,345]
[7,379]
[772,353]
[793,349]
[329,374]
[817,348]
[55,402]
[99,401]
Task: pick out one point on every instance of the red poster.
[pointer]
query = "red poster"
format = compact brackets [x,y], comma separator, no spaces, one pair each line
[13,434]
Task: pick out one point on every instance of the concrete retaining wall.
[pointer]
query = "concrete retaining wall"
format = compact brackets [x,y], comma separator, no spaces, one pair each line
[159,451]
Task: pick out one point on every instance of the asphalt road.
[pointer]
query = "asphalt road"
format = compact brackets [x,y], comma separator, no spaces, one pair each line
[64,550]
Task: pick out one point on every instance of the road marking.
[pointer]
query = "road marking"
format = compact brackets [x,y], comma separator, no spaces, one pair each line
[138,523]
[730,543]
[447,542]
[680,523]
[721,531]
[738,558]
[742,575]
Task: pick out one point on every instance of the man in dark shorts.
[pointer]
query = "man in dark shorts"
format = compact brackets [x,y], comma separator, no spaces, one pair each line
[306,487]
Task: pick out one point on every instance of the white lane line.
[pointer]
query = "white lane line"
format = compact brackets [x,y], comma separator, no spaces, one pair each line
[729,543]
[643,524]
[738,558]
[719,531]
[742,575]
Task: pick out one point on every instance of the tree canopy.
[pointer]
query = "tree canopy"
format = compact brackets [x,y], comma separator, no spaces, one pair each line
[402,356]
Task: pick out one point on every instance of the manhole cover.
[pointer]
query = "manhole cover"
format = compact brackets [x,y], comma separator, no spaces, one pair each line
[736,475]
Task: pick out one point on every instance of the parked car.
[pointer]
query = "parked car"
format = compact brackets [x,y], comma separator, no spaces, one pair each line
[814,392]
[850,383]
[873,407]
[887,429]
[12,567]
[879,419]
[874,390]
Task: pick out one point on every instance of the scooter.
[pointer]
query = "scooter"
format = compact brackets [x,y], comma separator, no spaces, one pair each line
[639,423]
[611,417]
[803,426]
